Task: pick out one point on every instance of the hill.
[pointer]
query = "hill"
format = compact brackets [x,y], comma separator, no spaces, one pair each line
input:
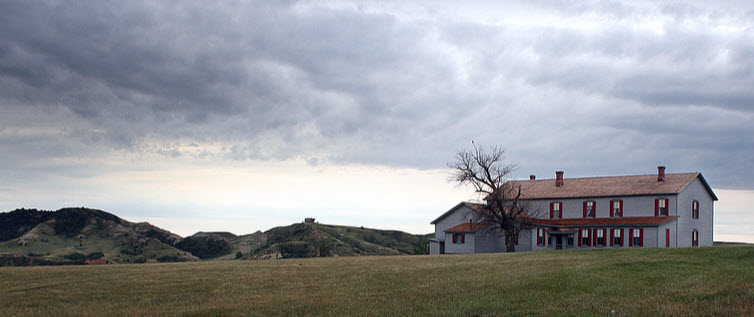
[73,235]
[710,281]
[304,240]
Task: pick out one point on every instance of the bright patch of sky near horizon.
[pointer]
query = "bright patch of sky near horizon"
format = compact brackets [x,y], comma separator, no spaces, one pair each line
[247,115]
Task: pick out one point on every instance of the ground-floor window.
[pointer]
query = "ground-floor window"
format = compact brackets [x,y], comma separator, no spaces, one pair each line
[617,238]
[636,238]
[584,237]
[459,238]
[600,237]
[694,238]
[570,241]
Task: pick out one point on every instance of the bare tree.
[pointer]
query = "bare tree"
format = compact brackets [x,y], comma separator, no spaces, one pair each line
[503,211]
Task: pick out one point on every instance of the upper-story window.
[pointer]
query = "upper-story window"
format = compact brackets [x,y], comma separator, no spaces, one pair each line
[590,209]
[556,210]
[694,238]
[661,207]
[616,208]
[695,209]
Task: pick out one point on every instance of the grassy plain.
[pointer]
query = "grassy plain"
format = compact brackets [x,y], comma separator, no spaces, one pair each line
[700,281]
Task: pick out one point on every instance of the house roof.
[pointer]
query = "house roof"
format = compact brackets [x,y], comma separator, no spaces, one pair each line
[634,185]
[467,227]
[451,210]
[617,221]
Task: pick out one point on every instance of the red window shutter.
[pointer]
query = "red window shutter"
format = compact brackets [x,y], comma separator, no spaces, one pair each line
[667,238]
[593,238]
[604,237]
[552,206]
[641,237]
[560,210]
[667,207]
[584,209]
[612,236]
[463,238]
[594,209]
[657,207]
[579,237]
[621,208]
[454,238]
[612,204]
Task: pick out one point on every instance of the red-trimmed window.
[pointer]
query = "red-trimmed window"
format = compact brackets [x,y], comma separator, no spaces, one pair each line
[616,208]
[540,236]
[636,237]
[694,238]
[695,209]
[590,209]
[661,207]
[584,237]
[616,237]
[556,210]
[600,237]
[459,238]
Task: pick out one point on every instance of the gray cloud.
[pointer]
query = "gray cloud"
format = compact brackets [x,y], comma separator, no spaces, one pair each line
[601,89]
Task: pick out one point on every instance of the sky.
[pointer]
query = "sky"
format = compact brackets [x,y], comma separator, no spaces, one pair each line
[241,115]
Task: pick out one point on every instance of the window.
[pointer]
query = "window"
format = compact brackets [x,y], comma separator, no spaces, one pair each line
[661,207]
[584,237]
[589,209]
[540,236]
[636,238]
[617,238]
[556,210]
[600,237]
[616,208]
[459,238]
[694,238]
[570,240]
[695,209]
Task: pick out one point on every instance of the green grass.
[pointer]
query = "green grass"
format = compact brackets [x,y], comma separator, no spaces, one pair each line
[698,281]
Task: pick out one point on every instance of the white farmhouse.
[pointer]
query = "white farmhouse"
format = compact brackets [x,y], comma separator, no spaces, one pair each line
[642,211]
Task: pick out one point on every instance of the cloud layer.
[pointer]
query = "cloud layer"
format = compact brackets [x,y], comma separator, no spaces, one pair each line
[595,89]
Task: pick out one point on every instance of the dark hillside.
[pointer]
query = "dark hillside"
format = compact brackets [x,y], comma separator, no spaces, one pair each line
[312,240]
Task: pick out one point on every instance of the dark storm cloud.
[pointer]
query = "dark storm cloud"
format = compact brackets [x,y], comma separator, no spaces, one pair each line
[559,85]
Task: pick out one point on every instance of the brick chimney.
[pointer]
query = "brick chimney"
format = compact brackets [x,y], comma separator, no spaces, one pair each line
[661,173]
[558,178]
[532,177]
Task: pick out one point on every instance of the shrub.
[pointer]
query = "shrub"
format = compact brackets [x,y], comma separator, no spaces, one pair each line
[205,247]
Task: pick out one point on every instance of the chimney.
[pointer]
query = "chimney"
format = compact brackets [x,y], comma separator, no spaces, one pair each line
[532,177]
[661,173]
[558,178]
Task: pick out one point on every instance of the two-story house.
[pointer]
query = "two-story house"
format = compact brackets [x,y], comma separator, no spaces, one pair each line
[657,210]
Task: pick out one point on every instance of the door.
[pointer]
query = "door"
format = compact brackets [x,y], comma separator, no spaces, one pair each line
[442,247]
[559,242]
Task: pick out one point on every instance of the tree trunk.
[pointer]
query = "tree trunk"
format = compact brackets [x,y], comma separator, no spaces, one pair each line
[510,243]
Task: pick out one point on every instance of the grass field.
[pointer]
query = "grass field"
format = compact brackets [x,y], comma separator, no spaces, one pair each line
[700,281]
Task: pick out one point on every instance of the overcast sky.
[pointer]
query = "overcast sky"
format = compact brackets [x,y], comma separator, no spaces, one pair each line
[247,115]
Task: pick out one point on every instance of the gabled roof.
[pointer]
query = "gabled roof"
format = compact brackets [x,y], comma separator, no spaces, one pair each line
[616,221]
[461,204]
[467,227]
[612,186]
